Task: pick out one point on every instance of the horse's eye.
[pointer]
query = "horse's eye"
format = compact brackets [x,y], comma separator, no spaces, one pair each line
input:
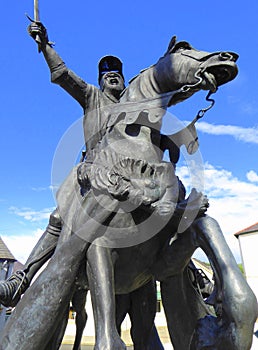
[182,46]
[180,49]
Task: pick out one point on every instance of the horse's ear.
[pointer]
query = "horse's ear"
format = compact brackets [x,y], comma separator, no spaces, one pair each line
[171,44]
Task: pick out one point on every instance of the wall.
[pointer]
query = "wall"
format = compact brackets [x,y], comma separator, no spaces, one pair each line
[249,250]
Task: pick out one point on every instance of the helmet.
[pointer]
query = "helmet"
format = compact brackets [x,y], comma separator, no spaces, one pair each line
[110,64]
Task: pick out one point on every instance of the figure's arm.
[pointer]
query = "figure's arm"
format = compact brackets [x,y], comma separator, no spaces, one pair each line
[60,74]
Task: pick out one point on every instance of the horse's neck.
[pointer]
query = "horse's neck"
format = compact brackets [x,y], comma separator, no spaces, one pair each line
[135,122]
[143,87]
[146,94]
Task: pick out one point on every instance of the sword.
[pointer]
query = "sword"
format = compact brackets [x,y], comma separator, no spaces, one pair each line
[36,20]
[36,11]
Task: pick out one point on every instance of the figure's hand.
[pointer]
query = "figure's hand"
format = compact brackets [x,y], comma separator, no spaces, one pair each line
[37,29]
[198,200]
[164,208]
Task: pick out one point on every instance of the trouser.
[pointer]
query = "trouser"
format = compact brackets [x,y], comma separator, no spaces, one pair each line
[45,247]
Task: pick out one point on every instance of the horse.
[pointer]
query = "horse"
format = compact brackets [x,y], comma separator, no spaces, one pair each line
[140,305]
[125,208]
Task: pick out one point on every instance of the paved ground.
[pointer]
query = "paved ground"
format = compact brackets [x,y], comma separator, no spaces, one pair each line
[87,347]
[68,340]
[69,347]
[167,345]
[83,347]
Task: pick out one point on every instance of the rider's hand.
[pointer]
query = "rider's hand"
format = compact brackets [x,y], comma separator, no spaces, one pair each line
[198,200]
[37,29]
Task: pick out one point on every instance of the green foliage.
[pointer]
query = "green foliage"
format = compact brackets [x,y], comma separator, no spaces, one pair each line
[241,268]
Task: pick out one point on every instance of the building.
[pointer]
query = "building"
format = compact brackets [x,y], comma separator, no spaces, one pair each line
[6,268]
[248,242]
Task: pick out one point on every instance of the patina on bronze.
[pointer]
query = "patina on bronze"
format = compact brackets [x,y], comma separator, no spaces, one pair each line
[129,188]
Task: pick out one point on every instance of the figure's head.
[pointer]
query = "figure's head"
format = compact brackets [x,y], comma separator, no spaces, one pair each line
[111,75]
[193,70]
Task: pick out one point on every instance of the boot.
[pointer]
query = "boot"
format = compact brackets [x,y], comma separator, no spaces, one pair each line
[12,289]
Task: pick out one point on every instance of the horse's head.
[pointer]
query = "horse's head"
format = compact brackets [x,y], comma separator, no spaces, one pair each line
[183,67]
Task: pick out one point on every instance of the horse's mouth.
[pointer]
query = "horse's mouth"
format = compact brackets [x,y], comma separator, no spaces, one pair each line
[219,74]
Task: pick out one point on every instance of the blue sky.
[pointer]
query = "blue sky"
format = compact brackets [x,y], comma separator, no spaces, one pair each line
[35,114]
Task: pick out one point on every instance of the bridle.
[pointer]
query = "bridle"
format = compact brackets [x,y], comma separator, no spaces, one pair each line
[188,87]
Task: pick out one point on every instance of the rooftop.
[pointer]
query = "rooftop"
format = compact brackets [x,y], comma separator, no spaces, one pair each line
[5,253]
[250,229]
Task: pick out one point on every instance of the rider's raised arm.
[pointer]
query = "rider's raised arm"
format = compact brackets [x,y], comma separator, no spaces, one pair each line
[60,74]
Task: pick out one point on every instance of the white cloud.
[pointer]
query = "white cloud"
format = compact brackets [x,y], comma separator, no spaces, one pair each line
[30,214]
[48,188]
[22,245]
[252,176]
[249,135]
[40,189]
[249,108]
[233,203]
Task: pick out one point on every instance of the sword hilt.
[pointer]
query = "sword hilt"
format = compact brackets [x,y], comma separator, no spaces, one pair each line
[37,38]
[38,41]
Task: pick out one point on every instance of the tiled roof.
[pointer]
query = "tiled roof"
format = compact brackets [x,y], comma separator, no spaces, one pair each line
[17,266]
[5,252]
[249,229]
[205,267]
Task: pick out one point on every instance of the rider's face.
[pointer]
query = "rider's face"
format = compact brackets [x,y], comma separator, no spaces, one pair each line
[112,82]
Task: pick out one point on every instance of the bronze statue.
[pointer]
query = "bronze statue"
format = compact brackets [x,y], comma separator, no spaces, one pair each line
[123,204]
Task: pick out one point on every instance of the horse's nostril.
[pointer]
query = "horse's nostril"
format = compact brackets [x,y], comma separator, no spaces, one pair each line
[226,56]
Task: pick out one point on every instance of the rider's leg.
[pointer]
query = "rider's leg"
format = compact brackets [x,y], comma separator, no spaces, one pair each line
[12,289]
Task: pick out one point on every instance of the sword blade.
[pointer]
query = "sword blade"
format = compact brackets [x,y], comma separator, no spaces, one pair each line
[36,11]
[36,19]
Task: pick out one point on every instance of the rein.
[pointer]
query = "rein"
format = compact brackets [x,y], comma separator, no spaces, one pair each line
[202,111]
[182,136]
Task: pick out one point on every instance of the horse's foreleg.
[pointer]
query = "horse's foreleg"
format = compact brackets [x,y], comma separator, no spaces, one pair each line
[29,328]
[100,273]
[56,340]
[238,305]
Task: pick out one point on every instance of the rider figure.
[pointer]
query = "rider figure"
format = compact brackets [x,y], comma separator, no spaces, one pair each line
[90,98]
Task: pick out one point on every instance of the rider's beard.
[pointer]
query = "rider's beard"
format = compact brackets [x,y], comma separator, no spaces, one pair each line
[113,90]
